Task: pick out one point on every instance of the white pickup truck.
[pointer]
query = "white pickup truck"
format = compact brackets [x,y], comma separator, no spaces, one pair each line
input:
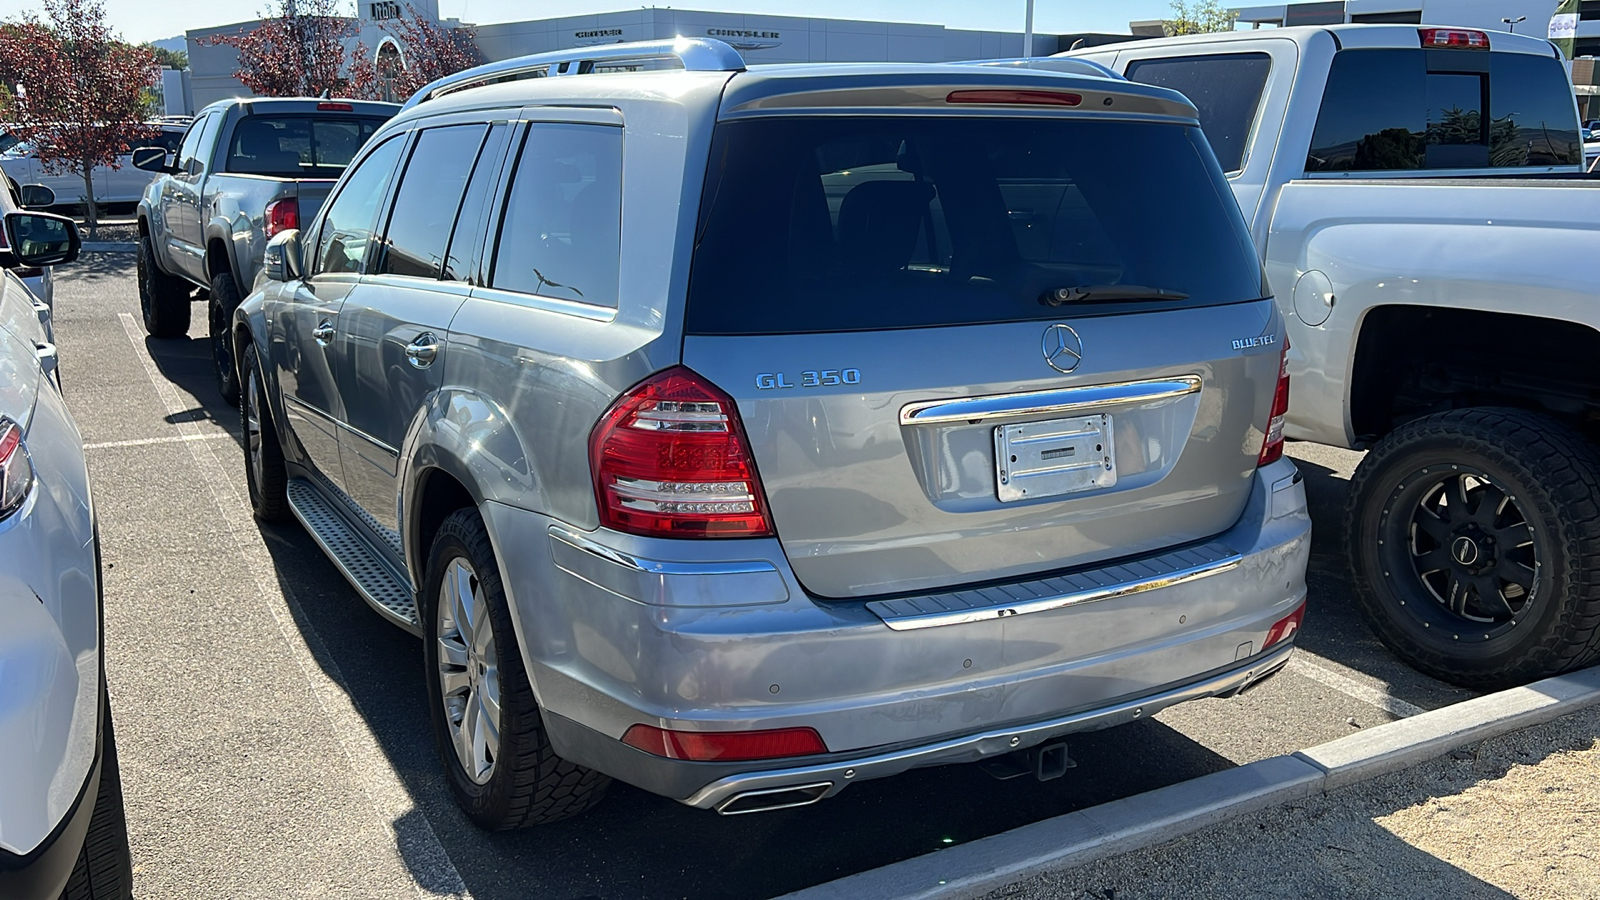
[1417,198]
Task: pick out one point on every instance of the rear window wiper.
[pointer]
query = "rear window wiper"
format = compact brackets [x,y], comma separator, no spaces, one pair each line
[1084,293]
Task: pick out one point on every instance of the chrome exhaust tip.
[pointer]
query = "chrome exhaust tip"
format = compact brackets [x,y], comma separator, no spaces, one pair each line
[774,798]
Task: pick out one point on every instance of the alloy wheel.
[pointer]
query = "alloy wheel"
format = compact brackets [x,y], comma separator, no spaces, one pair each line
[469,674]
[252,427]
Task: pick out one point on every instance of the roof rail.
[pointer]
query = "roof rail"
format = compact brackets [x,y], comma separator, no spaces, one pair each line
[694,54]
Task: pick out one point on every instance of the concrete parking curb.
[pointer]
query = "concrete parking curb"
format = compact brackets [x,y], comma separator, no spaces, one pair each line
[110,247]
[972,870]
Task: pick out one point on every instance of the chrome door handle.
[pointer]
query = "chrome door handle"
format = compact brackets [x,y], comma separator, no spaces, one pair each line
[423,350]
[323,333]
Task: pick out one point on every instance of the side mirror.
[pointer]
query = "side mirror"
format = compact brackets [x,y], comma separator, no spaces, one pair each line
[150,159]
[42,239]
[282,261]
[36,196]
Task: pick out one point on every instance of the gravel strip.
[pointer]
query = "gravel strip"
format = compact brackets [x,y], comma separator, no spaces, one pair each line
[1514,816]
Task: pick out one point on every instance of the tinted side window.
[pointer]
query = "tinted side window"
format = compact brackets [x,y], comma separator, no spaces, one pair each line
[468,236]
[1226,89]
[1443,109]
[193,141]
[426,202]
[347,224]
[561,235]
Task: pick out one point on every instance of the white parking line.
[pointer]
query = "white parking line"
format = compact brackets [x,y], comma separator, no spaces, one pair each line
[1327,673]
[423,855]
[170,439]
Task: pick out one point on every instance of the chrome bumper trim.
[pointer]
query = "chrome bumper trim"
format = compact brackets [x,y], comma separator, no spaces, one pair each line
[1116,580]
[989,743]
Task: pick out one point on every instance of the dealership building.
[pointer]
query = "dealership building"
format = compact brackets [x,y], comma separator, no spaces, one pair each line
[760,38]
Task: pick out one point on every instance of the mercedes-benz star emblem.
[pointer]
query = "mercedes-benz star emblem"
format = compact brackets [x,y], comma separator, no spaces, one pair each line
[1063,349]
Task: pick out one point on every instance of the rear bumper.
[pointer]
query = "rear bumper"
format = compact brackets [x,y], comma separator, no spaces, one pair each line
[732,642]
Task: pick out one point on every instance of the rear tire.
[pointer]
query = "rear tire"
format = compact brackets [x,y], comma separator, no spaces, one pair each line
[163,299]
[224,300]
[264,471]
[486,723]
[104,870]
[1474,546]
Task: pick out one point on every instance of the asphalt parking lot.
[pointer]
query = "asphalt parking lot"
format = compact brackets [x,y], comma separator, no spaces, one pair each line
[274,736]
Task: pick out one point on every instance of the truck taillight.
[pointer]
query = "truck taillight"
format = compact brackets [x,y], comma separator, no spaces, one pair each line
[282,215]
[670,459]
[1457,38]
[1272,447]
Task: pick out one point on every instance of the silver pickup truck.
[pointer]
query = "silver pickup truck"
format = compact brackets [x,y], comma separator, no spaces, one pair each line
[1417,198]
[246,170]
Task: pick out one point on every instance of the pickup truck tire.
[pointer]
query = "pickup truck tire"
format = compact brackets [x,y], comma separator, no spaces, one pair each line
[264,472]
[1474,546]
[503,773]
[104,868]
[224,300]
[163,299]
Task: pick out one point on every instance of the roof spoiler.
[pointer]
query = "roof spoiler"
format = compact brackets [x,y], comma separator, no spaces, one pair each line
[1067,65]
[693,54]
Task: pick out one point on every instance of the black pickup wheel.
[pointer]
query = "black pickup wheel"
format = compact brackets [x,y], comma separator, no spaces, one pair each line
[1474,546]
[163,299]
[224,300]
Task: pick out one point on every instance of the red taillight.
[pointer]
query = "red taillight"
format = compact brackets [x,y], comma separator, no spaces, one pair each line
[1026,98]
[282,215]
[1272,447]
[670,460]
[1458,38]
[16,470]
[335,107]
[727,746]
[1285,628]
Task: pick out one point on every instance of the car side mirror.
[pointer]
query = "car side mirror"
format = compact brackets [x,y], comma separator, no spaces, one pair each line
[36,196]
[42,239]
[282,261]
[151,159]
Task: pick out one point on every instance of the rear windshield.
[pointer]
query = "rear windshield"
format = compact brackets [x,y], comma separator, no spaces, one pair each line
[1444,109]
[302,146]
[840,224]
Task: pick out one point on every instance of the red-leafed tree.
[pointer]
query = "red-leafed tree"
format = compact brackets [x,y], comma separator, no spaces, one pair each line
[426,52]
[76,90]
[298,49]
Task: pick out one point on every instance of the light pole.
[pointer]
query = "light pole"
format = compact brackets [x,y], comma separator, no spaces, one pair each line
[1027,34]
[1512,23]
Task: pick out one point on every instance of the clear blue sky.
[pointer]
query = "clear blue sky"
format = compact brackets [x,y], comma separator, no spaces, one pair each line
[148,20]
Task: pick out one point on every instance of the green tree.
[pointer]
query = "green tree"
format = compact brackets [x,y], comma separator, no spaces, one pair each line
[169,59]
[1199,17]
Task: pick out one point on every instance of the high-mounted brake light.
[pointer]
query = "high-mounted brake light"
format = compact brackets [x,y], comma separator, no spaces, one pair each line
[1025,98]
[1285,628]
[335,107]
[1458,38]
[725,746]
[1272,447]
[16,470]
[670,459]
[282,215]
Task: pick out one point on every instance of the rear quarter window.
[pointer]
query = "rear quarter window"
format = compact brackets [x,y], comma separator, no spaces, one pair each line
[813,224]
[1399,109]
[1226,90]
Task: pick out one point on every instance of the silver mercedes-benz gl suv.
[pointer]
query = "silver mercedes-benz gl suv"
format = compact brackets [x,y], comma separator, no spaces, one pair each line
[746,433]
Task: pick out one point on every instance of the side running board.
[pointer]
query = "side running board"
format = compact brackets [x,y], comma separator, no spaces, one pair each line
[372,578]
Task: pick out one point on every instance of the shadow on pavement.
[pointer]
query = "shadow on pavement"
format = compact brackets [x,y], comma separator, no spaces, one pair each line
[97,266]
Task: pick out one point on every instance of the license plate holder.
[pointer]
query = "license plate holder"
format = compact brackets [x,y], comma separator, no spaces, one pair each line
[1034,460]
